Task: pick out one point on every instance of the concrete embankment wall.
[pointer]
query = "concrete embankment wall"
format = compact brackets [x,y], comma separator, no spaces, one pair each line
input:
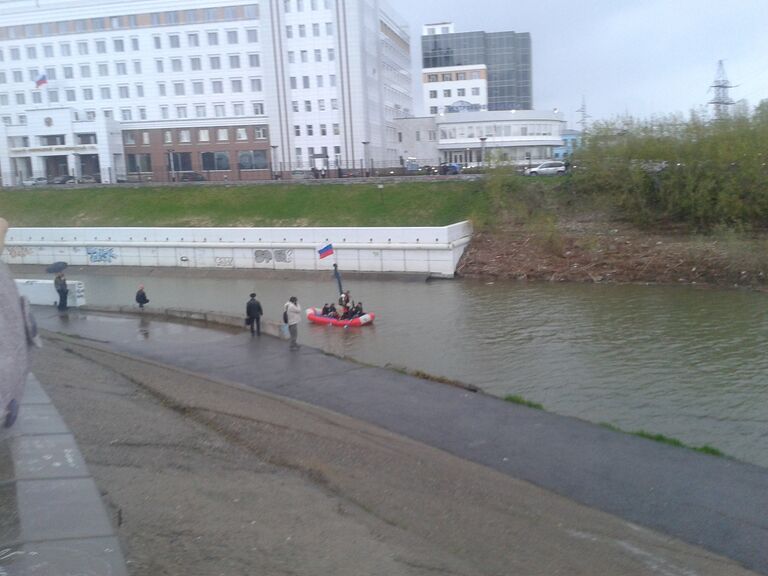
[432,250]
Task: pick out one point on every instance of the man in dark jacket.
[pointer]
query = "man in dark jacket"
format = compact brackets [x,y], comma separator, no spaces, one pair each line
[253,314]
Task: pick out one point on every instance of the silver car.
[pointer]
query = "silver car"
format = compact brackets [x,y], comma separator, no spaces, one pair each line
[547,169]
[38,181]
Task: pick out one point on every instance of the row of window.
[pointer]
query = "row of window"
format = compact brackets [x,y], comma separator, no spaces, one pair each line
[301,30]
[306,81]
[434,110]
[209,161]
[119,45]
[173,17]
[454,76]
[300,4]
[202,135]
[310,130]
[102,69]
[296,105]
[460,92]
[311,153]
[198,87]
[304,56]
[498,130]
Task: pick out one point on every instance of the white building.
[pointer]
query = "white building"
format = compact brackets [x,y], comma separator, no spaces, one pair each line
[455,89]
[230,88]
[473,138]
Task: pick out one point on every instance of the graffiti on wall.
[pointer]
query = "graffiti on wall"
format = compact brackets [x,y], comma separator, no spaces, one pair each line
[279,255]
[18,251]
[224,262]
[101,255]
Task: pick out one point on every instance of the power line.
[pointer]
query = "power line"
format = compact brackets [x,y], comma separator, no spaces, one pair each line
[722,98]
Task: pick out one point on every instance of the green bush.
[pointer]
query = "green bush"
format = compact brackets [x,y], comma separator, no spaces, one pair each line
[697,173]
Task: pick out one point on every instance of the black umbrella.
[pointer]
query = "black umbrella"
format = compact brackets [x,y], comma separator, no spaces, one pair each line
[56,267]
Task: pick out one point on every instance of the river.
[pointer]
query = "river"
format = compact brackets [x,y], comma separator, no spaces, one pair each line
[682,361]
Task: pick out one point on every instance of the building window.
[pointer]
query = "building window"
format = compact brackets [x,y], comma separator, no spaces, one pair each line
[331,54]
[158,42]
[432,78]
[142,114]
[218,110]
[329,28]
[321,104]
[255,84]
[197,87]
[134,44]
[195,63]
[48,51]
[234,60]
[433,93]
[139,163]
[87,94]
[258,108]
[304,56]
[181,111]
[336,131]
[215,160]
[178,88]
[214,62]
[193,40]
[106,93]
[302,31]
[37,97]
[203,135]
[159,66]
[65,49]
[129,138]
[137,66]
[446,93]
[260,133]
[296,130]
[315,29]
[168,137]
[121,68]
[85,71]
[161,88]
[125,114]
[307,105]
[475,91]
[71,95]
[200,110]
[252,35]
[241,134]
[176,64]
[323,130]
[433,110]
[238,109]
[461,92]
[164,112]
[305,81]
[254,61]
[252,160]
[310,130]
[232,37]
[118,45]
[334,104]
[174,41]
[319,81]
[332,80]
[145,138]
[213,38]
[217,86]
[318,55]
[184,136]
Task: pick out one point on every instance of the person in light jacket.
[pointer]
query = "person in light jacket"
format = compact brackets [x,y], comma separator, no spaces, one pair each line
[293,317]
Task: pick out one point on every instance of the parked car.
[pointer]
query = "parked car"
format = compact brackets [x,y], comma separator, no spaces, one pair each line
[191,177]
[547,169]
[89,179]
[449,168]
[37,181]
[65,179]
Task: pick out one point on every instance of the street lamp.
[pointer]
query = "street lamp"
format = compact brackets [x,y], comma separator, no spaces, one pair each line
[482,150]
[272,163]
[173,168]
[365,157]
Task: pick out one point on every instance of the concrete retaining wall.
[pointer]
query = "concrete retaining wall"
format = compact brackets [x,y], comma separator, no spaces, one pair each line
[431,250]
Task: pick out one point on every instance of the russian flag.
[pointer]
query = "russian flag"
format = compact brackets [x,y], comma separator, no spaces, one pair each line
[325,251]
[42,79]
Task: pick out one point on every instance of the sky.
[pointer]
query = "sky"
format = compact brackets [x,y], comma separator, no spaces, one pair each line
[644,58]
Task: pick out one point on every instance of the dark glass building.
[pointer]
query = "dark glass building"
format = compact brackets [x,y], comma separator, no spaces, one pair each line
[507,56]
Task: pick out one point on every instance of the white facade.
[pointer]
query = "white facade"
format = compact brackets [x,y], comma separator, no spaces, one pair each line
[324,75]
[472,138]
[431,250]
[455,89]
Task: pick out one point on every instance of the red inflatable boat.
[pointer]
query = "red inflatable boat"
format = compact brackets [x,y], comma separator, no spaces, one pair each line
[314,316]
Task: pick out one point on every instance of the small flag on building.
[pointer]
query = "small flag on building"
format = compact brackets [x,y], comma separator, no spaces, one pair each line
[42,79]
[325,251]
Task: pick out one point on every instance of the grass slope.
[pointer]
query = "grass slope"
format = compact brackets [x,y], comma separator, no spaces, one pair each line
[402,204]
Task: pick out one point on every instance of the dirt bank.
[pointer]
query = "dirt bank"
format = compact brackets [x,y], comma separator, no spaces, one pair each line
[611,251]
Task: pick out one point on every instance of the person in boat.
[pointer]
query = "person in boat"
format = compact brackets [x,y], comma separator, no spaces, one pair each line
[344,299]
[357,310]
[326,310]
[332,310]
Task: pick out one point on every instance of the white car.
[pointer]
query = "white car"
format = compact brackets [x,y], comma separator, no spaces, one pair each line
[546,169]
[39,181]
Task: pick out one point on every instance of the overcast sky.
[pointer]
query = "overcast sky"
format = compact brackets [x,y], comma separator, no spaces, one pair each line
[641,57]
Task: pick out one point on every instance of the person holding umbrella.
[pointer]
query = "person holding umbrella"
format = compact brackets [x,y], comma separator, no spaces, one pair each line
[60,283]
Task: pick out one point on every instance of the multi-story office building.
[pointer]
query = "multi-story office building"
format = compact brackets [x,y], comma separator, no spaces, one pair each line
[475,71]
[231,89]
